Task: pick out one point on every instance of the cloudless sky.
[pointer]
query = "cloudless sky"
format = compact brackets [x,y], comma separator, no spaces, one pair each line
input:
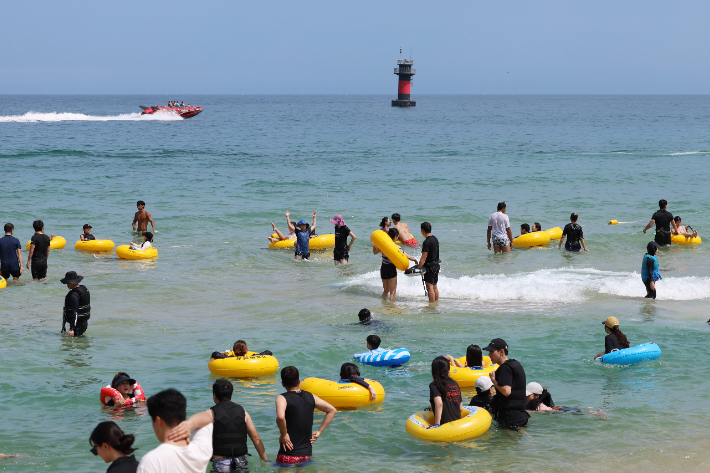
[332,47]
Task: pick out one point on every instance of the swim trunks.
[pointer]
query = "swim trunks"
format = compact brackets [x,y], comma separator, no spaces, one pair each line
[388,271]
[411,242]
[663,237]
[7,271]
[341,254]
[291,460]
[39,268]
[225,465]
[573,247]
[431,277]
[498,241]
[306,256]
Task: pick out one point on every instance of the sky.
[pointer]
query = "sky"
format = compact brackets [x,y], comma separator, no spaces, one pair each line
[336,47]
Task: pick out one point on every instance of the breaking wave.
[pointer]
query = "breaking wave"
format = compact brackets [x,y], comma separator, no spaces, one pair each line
[33,117]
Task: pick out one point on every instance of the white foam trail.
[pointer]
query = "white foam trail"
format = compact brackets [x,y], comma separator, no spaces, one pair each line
[31,117]
[688,152]
[542,286]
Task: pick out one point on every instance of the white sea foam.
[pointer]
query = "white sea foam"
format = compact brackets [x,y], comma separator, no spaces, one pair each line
[542,286]
[30,117]
[688,152]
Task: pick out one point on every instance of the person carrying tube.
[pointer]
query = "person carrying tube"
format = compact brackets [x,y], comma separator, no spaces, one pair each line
[77,305]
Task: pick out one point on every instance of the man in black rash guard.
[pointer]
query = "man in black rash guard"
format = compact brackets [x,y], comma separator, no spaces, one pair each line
[77,305]
[430,259]
[509,406]
[294,417]
[574,234]
[663,220]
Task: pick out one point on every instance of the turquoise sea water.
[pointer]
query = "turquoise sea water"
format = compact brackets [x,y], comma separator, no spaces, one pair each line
[214,184]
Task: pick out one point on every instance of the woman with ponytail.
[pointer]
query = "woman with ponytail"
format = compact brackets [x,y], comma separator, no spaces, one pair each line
[113,446]
[444,394]
[615,339]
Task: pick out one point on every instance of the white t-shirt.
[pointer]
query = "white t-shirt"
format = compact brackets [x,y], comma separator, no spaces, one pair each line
[172,459]
[145,245]
[500,222]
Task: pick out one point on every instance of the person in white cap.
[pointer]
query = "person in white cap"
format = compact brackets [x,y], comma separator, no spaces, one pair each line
[484,393]
[534,397]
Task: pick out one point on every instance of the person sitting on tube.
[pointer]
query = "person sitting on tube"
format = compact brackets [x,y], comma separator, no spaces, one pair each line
[524,228]
[147,242]
[350,373]
[444,394]
[615,339]
[474,359]
[484,393]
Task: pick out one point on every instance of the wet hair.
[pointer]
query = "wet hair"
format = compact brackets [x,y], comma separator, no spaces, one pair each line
[290,377]
[383,222]
[170,405]
[140,202]
[426,226]
[393,233]
[148,236]
[538,226]
[222,389]
[620,336]
[396,217]
[526,227]
[474,356]
[675,219]
[574,217]
[240,348]
[374,341]
[118,375]
[38,225]
[111,434]
[348,370]
[440,373]
[662,203]
[364,315]
[501,205]
[8,227]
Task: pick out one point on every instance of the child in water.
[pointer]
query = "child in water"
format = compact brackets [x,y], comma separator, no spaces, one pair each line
[349,373]
[147,242]
[649,269]
[484,393]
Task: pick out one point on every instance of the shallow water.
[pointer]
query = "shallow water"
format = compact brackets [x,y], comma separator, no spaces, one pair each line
[213,185]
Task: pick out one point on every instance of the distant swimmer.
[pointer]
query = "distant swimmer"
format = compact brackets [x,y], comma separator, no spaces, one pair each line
[39,251]
[575,235]
[303,233]
[87,236]
[365,318]
[499,231]
[683,230]
[404,235]
[77,305]
[341,252]
[430,260]
[539,399]
[649,269]
[147,242]
[113,446]
[10,255]
[615,339]
[388,271]
[142,217]
[294,418]
[664,221]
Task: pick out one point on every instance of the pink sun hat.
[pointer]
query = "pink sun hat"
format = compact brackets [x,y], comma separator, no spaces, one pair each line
[338,220]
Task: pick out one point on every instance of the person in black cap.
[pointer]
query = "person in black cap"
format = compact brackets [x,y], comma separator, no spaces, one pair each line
[509,405]
[77,305]
[87,236]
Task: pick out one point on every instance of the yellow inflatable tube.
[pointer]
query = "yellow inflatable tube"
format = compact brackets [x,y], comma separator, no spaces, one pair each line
[3,282]
[531,239]
[683,240]
[384,243]
[343,394]
[316,243]
[613,222]
[94,245]
[125,252]
[247,366]
[466,377]
[555,233]
[57,243]
[474,422]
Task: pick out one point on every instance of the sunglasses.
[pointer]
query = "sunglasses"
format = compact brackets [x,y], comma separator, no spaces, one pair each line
[93,448]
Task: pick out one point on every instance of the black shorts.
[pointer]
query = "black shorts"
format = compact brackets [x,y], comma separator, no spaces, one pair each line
[388,271]
[663,238]
[341,254]
[573,246]
[39,269]
[431,277]
[7,271]
[306,256]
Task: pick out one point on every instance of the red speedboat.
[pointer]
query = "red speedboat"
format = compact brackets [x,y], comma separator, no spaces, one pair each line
[184,112]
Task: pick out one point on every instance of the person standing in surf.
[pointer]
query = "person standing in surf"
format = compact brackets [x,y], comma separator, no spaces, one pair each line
[142,218]
[341,252]
[388,271]
[664,221]
[649,269]
[499,231]
[430,260]
[574,234]
[303,233]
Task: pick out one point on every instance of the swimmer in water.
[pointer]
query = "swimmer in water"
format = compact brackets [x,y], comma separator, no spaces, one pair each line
[147,242]
[682,229]
[142,218]
[615,339]
[524,228]
[125,385]
[484,393]
[539,399]
[405,236]
[349,372]
[87,236]
[474,359]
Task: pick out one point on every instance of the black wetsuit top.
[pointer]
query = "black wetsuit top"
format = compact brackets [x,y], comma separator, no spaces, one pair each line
[611,343]
[299,423]
[510,411]
[229,437]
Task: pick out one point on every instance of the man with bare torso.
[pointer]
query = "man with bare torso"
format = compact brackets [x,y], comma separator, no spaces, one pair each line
[142,218]
[404,235]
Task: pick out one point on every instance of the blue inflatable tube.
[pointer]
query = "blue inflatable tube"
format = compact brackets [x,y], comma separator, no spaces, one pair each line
[384,358]
[627,356]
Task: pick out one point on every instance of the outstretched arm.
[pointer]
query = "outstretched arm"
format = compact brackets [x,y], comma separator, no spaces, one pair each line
[313,227]
[291,228]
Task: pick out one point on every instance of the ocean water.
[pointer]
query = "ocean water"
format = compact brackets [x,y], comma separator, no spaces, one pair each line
[215,183]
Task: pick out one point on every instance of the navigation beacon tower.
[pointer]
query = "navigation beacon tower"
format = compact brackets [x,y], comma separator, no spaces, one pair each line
[405,72]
